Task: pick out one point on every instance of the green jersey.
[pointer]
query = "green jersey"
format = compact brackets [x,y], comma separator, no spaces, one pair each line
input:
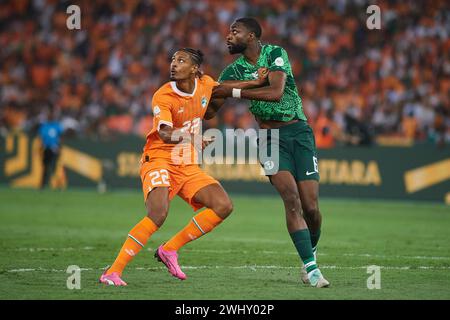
[274,58]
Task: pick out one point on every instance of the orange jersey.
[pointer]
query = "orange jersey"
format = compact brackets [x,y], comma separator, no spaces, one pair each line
[178,110]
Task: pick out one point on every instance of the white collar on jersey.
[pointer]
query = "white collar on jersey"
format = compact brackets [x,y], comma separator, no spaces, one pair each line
[173,84]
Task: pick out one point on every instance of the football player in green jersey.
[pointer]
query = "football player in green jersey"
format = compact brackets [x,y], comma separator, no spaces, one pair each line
[263,75]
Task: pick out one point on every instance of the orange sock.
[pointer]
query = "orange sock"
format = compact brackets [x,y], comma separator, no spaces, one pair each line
[137,239]
[201,224]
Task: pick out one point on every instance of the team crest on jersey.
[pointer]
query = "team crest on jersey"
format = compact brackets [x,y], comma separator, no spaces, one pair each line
[279,62]
[156,110]
[204,101]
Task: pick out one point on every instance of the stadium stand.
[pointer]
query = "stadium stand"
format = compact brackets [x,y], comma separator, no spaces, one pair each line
[360,86]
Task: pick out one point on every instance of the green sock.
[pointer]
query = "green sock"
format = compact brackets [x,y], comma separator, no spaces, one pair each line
[302,242]
[314,240]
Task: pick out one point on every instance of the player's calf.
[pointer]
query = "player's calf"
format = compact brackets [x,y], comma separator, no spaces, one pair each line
[157,205]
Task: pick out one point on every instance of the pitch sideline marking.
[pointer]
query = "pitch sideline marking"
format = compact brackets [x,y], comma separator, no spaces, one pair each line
[268,252]
[251,267]
[54,249]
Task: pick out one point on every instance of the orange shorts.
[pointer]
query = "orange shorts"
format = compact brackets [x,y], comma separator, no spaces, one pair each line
[184,180]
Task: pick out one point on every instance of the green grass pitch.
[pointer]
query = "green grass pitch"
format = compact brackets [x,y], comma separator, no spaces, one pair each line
[250,256]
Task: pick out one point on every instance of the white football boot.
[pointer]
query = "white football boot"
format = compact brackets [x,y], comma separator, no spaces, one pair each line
[317,280]
[303,273]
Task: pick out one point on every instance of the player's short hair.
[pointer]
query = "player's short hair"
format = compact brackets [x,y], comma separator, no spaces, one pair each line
[196,55]
[252,25]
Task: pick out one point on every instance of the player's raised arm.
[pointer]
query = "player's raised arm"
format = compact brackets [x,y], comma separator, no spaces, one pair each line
[249,84]
[213,106]
[272,92]
[217,102]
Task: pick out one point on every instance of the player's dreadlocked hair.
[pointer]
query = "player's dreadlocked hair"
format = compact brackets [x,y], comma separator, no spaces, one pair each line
[197,58]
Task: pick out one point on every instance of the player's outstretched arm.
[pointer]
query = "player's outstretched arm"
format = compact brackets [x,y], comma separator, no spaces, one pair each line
[249,84]
[213,106]
[272,92]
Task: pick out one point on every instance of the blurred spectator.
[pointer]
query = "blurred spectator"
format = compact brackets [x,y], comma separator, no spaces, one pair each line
[327,131]
[13,115]
[357,131]
[409,125]
[389,82]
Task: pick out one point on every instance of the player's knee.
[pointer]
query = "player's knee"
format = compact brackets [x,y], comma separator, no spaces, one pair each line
[223,208]
[158,214]
[313,217]
[311,210]
[291,202]
[228,208]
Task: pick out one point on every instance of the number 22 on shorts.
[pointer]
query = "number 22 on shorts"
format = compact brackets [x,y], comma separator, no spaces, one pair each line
[159,177]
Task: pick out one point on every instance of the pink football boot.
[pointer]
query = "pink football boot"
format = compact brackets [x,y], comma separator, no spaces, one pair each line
[112,279]
[170,259]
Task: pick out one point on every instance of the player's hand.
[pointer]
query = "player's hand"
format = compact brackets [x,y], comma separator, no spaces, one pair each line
[221,92]
[263,73]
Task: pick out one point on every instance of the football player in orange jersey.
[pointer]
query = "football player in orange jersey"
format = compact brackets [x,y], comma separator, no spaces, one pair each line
[178,108]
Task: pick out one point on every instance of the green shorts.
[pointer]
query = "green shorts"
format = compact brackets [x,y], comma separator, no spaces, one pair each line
[296,151]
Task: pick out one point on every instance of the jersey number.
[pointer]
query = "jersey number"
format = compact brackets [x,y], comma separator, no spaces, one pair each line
[159,177]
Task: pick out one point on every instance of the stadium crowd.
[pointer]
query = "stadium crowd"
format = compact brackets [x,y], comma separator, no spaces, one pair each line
[357,84]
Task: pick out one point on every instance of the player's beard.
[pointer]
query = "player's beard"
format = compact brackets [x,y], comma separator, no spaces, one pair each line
[172,77]
[237,48]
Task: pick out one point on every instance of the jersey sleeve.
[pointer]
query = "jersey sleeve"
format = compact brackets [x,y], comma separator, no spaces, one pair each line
[278,60]
[227,74]
[162,110]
